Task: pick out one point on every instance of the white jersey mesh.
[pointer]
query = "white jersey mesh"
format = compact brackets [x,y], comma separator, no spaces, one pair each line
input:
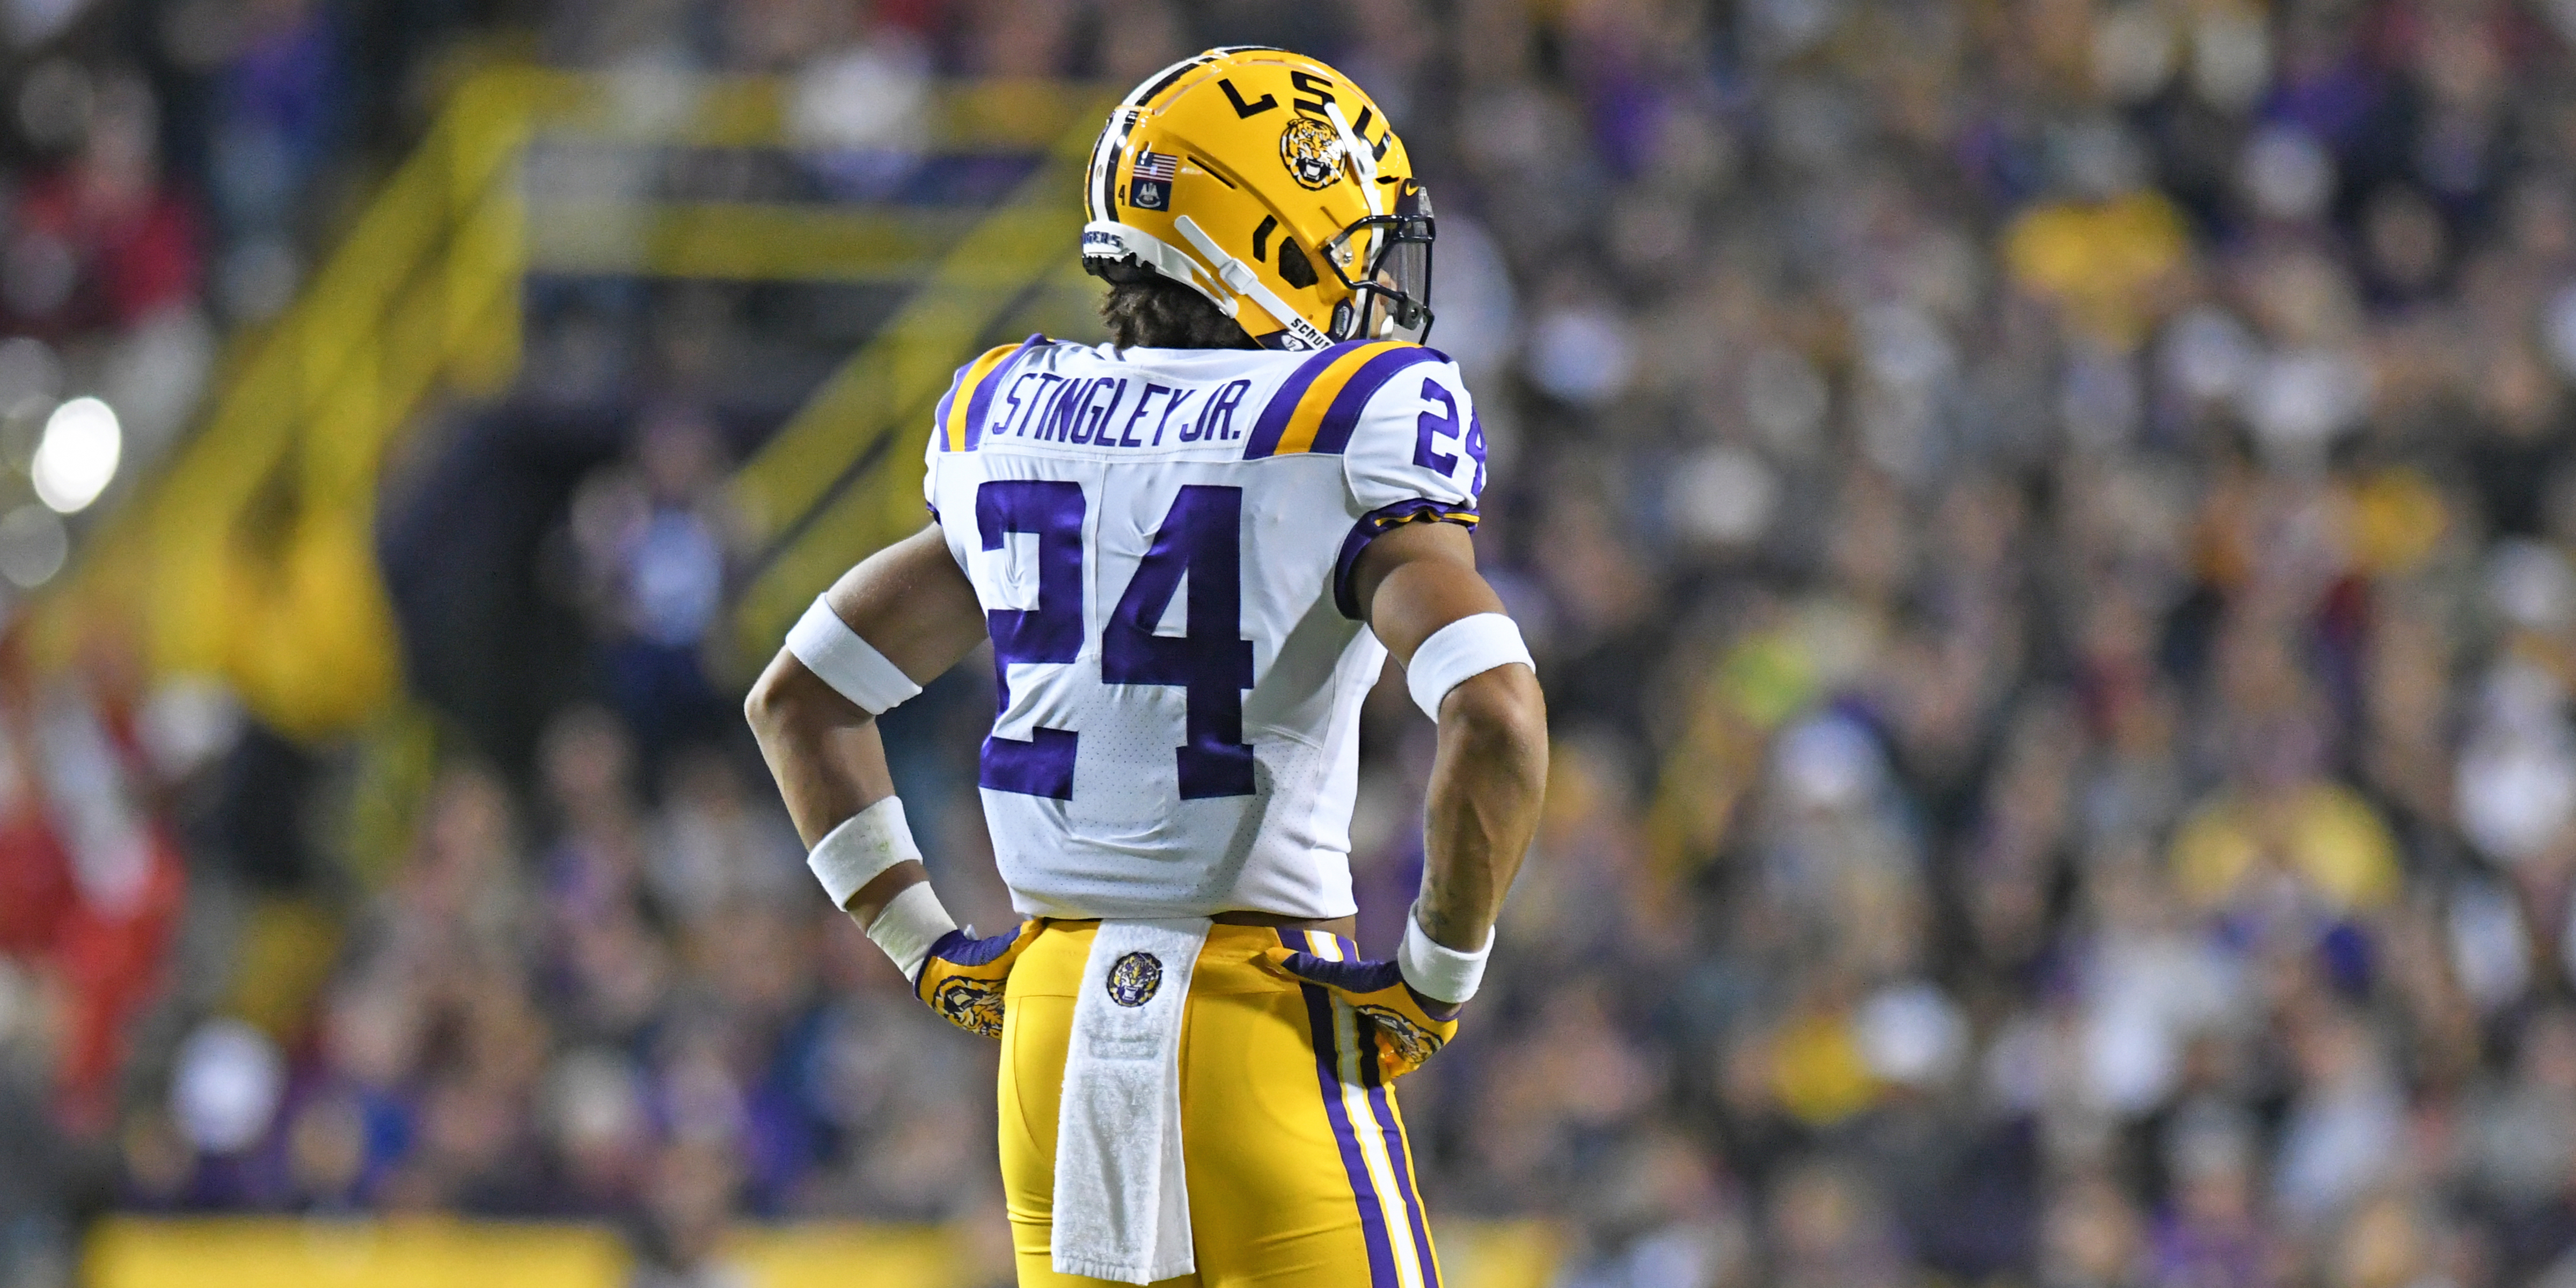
[1211,767]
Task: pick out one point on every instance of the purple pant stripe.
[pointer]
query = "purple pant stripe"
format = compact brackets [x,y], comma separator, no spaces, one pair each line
[1383,1100]
[1381,1248]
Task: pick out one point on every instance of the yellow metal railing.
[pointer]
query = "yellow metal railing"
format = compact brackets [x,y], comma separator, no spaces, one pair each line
[797,488]
[251,556]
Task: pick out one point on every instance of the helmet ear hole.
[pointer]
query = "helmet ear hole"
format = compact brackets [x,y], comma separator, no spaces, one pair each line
[1294,268]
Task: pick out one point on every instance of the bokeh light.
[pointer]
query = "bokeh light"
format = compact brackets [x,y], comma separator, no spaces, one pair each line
[33,546]
[76,459]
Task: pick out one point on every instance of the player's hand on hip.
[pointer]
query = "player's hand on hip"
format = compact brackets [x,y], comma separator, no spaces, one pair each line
[1410,1027]
[964,976]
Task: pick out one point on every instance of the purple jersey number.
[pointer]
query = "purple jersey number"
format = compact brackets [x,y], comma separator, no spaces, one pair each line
[1051,632]
[1210,661]
[1212,664]
[1430,428]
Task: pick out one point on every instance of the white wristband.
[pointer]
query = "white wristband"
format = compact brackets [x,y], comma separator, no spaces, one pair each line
[1442,974]
[861,848]
[1460,651]
[852,666]
[911,923]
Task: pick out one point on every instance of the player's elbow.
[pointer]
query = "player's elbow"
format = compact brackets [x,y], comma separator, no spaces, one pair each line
[765,707]
[1499,717]
[785,697]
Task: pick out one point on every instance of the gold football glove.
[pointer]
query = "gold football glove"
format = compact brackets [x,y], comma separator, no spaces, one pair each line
[1411,1027]
[963,977]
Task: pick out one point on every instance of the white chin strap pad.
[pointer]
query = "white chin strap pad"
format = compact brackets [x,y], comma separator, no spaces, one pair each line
[1239,277]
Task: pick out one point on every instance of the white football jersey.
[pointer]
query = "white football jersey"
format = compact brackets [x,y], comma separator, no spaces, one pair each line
[1161,541]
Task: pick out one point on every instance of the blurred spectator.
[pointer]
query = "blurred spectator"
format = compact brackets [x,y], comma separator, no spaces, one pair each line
[2047,527]
[657,545]
[103,261]
[277,113]
[100,243]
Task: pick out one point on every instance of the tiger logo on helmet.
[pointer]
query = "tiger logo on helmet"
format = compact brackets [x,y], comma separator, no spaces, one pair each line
[1312,152]
[1271,184]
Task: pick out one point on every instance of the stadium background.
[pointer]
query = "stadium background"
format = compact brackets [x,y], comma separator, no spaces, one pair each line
[2046,524]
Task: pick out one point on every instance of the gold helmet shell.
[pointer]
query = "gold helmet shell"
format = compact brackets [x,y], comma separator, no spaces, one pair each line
[1271,184]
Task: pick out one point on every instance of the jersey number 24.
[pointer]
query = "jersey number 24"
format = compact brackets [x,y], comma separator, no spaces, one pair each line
[1210,661]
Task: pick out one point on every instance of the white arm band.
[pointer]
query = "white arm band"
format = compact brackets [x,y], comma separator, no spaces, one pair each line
[1442,974]
[911,923]
[862,848]
[1460,651]
[852,666]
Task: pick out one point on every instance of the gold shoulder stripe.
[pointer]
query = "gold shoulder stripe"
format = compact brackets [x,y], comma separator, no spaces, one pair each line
[1319,396]
[975,374]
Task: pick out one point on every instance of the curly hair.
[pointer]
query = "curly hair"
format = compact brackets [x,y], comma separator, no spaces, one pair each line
[1159,313]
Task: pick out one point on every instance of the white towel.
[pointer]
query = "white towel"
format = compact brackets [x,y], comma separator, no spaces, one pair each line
[1122,1201]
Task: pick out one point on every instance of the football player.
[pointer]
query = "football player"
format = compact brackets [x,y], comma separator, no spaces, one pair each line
[1192,549]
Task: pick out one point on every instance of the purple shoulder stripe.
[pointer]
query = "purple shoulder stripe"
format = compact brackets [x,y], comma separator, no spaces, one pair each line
[939,414]
[1283,404]
[1368,528]
[1343,417]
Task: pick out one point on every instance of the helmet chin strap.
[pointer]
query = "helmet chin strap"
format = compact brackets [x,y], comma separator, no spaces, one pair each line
[1239,277]
[1364,166]
[1363,161]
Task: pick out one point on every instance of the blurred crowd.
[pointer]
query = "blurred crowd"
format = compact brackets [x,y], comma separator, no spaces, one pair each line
[2049,528]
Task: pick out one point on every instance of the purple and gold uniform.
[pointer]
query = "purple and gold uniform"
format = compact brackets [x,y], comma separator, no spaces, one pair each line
[1162,541]
[1300,1174]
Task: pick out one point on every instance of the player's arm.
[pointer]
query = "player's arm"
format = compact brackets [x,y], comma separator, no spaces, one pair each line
[1413,467]
[1421,593]
[1417,586]
[902,617]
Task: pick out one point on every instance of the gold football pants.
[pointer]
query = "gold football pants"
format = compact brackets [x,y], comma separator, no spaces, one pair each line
[1300,1175]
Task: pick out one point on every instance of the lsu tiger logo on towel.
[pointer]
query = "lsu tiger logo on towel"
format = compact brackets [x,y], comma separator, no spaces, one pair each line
[1134,978]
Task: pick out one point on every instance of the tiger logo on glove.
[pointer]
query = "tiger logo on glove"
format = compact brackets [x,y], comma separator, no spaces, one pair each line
[1409,1027]
[964,977]
[974,1005]
[1410,1043]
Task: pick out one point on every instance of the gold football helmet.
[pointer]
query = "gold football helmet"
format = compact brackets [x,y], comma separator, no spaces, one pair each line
[1269,183]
